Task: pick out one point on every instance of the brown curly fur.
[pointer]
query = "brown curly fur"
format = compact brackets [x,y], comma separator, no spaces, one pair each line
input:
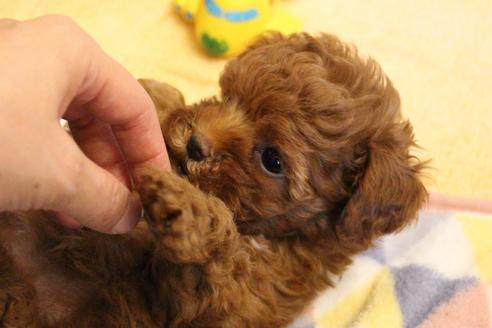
[226,244]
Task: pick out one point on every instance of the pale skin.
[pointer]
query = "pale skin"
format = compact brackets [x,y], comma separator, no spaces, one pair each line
[51,69]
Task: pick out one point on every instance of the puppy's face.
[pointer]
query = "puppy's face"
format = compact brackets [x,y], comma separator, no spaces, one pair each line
[246,157]
[307,139]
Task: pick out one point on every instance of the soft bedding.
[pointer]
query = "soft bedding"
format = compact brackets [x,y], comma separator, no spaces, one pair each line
[437,273]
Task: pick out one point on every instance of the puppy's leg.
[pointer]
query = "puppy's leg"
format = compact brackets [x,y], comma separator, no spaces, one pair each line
[209,275]
[188,224]
[16,306]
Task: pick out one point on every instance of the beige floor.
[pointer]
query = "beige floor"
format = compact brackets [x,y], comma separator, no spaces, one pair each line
[438,53]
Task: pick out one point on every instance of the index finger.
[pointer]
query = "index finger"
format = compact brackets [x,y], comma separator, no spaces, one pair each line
[112,95]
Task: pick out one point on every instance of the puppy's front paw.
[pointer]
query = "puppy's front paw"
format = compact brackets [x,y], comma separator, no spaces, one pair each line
[177,213]
[163,198]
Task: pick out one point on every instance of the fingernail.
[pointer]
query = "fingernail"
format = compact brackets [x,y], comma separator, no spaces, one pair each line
[130,218]
[68,221]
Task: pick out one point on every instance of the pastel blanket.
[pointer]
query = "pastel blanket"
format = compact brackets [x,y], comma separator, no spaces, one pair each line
[437,273]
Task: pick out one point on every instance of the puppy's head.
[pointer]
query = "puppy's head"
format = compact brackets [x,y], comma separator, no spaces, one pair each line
[307,140]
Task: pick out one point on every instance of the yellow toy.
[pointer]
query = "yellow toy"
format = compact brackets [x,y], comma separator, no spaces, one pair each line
[227,27]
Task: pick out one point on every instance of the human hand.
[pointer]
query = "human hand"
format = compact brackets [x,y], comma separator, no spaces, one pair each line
[51,69]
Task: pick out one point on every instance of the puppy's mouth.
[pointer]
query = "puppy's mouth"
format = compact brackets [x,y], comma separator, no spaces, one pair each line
[178,165]
[181,169]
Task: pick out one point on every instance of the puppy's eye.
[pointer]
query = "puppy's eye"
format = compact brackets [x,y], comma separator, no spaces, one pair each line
[272,161]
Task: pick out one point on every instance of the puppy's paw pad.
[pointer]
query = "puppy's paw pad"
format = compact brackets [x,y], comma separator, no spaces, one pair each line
[158,213]
[165,201]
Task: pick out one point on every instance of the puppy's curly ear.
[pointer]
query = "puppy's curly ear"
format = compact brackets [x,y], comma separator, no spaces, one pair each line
[388,192]
[166,98]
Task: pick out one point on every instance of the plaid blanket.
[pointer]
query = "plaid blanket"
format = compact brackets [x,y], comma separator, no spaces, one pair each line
[437,273]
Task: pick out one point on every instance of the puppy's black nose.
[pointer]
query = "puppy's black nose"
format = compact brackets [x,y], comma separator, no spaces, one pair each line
[194,150]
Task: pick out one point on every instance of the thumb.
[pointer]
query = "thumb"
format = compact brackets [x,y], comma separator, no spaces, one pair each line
[92,196]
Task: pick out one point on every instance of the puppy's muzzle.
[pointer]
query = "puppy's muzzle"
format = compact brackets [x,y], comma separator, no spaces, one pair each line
[197,150]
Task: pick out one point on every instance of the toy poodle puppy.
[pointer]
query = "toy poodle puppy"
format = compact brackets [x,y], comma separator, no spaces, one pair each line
[301,163]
